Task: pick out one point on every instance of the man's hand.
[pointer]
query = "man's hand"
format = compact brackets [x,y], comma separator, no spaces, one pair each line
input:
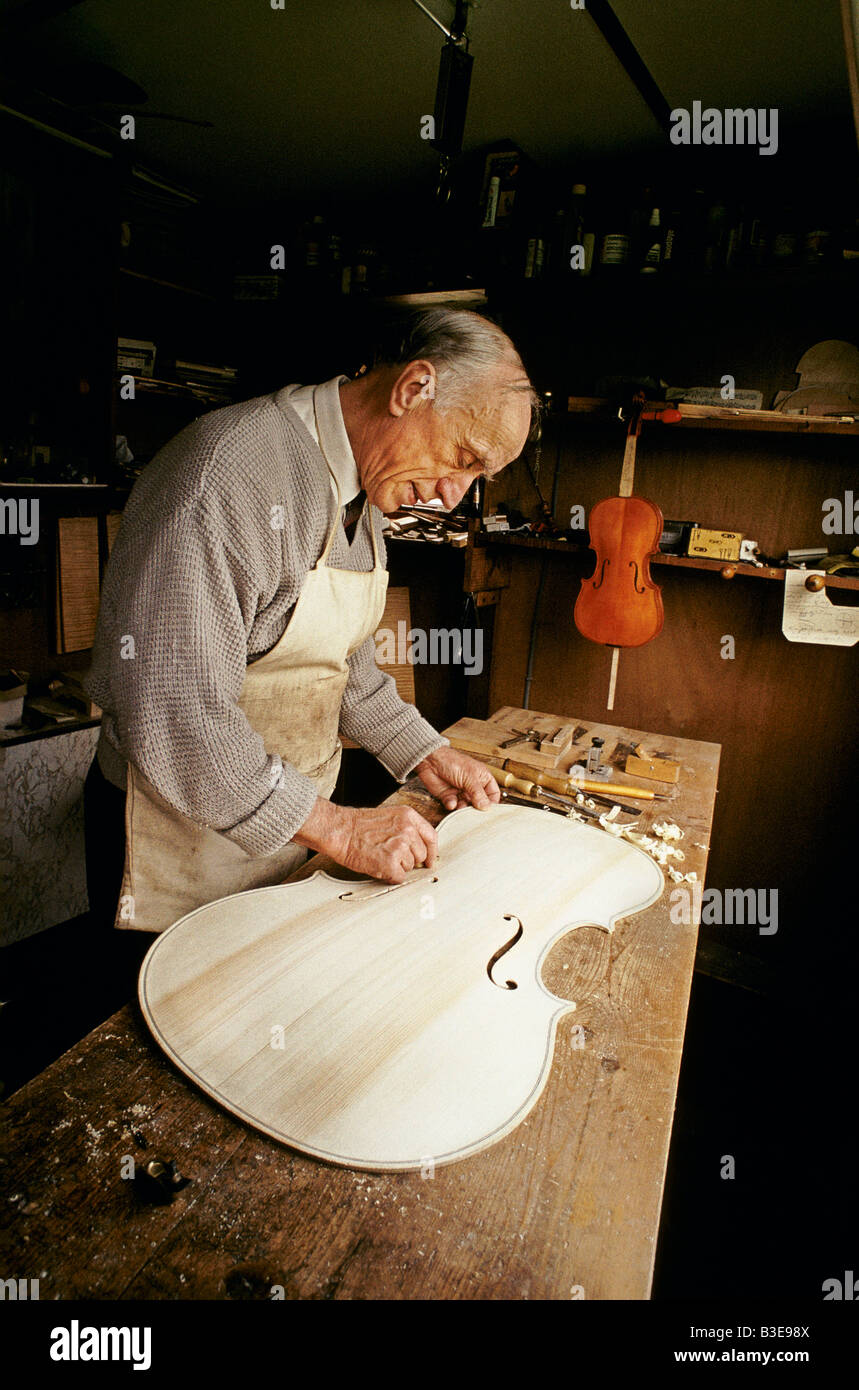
[458,780]
[384,842]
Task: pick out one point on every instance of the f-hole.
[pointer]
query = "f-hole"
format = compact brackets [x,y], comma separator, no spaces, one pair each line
[597,582]
[639,588]
[502,951]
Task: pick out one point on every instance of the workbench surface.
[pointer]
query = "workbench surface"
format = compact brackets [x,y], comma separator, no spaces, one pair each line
[566,1206]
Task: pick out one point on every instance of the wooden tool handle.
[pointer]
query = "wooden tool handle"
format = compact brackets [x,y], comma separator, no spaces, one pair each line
[506,779]
[612,789]
[568,786]
[528,779]
[552,781]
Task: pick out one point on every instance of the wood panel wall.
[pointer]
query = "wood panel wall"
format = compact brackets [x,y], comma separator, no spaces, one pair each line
[783,712]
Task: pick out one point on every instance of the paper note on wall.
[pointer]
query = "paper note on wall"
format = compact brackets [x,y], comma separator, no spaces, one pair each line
[810,617]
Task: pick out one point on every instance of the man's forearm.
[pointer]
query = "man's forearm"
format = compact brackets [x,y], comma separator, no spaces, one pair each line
[374,715]
[326,829]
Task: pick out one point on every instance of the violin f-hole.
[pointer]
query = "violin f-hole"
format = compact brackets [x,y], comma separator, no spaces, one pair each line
[502,951]
[639,589]
[598,582]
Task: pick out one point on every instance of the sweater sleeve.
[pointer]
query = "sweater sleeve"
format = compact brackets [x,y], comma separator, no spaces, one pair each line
[374,715]
[175,686]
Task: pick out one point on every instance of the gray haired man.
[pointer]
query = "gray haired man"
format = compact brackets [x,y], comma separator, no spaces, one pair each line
[235,636]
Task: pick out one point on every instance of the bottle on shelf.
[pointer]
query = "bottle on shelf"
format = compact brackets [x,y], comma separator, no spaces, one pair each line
[334,260]
[716,230]
[535,255]
[615,240]
[639,227]
[363,277]
[313,247]
[578,248]
[652,259]
[735,243]
[536,243]
[785,242]
[672,240]
[757,238]
[817,241]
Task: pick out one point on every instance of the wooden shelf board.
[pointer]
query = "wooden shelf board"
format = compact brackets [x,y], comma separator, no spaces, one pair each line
[721,417]
[167,284]
[746,571]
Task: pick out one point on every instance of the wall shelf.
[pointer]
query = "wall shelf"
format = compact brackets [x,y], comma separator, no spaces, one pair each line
[710,417]
[166,284]
[746,571]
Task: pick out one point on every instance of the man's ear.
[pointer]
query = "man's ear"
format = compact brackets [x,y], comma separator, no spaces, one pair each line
[415,385]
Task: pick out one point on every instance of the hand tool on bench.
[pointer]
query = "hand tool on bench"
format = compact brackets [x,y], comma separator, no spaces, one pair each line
[528,736]
[562,806]
[567,786]
[507,781]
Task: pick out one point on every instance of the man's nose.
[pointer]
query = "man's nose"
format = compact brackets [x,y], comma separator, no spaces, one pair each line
[452,490]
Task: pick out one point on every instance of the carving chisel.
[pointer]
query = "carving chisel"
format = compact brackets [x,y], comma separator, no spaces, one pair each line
[510,775]
[509,783]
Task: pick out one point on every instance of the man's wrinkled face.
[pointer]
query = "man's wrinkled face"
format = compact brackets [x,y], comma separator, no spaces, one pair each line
[424,452]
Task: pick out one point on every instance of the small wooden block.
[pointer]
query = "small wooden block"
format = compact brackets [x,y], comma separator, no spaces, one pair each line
[485,738]
[657,769]
[560,743]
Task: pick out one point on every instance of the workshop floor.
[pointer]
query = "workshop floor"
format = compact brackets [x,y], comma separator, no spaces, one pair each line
[754,1085]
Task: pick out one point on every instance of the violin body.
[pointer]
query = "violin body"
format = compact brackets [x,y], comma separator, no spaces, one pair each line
[388,1026]
[620,605]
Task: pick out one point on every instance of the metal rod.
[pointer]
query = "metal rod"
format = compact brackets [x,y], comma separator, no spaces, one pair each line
[532,644]
[628,55]
[58,134]
[437,22]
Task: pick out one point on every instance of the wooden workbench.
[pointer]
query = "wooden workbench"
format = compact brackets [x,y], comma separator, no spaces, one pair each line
[567,1206]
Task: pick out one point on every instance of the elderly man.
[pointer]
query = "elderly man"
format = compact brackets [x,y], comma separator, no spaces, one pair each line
[235,636]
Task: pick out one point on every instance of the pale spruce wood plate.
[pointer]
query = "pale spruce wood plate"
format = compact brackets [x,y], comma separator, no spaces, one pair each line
[376,1027]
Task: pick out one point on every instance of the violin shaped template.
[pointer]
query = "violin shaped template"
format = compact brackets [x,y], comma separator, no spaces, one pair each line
[385,1026]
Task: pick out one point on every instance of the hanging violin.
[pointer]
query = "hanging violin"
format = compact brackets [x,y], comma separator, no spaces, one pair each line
[391,1026]
[619,605]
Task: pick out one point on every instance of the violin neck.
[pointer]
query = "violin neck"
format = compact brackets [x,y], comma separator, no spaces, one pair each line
[627,476]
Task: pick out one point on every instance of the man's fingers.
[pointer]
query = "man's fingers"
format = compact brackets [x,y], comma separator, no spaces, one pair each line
[429,840]
[493,790]
[478,786]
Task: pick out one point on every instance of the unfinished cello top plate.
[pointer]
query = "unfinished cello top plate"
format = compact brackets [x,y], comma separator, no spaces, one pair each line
[387,1027]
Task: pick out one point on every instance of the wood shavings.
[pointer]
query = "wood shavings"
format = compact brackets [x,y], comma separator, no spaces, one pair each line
[676,876]
[616,830]
[659,845]
[667,830]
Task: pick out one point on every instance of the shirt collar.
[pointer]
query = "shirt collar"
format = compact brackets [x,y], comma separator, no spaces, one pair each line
[333,439]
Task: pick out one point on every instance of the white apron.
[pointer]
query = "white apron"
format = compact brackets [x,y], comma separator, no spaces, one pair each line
[291,697]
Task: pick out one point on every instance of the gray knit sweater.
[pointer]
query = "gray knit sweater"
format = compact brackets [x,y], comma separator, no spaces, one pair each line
[203,583]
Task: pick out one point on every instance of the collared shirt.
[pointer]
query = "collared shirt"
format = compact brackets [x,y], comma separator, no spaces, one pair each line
[332,437]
